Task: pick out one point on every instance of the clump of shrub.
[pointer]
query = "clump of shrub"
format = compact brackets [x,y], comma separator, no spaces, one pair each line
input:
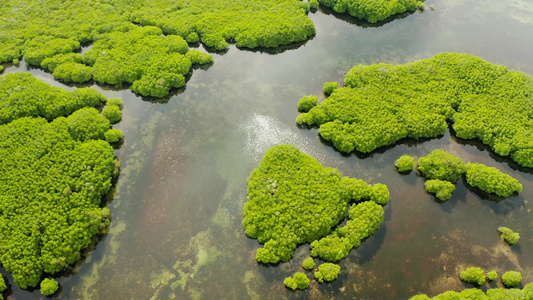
[115,101]
[307,102]
[113,135]
[51,63]
[511,278]
[293,199]
[328,88]
[327,272]
[441,188]
[112,113]
[509,236]
[3,286]
[49,286]
[372,11]
[405,163]
[299,281]
[421,5]
[491,180]
[473,275]
[492,275]
[442,166]
[308,263]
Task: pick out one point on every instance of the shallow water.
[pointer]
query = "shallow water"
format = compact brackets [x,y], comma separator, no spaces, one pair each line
[176,228]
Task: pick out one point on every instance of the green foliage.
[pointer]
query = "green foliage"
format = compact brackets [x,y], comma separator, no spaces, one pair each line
[113,135]
[372,11]
[491,180]
[49,286]
[299,281]
[421,5]
[473,275]
[365,219]
[511,278]
[73,72]
[42,47]
[405,163]
[292,200]
[441,188]
[52,62]
[492,294]
[313,4]
[327,272]
[381,104]
[87,124]
[328,88]
[50,193]
[442,166]
[492,275]
[115,101]
[22,95]
[308,263]
[307,102]
[509,236]
[266,23]
[505,294]
[3,285]
[199,58]
[112,113]
[192,38]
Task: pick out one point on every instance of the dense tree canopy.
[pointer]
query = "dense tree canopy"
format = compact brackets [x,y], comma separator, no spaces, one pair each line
[22,95]
[54,175]
[327,272]
[298,281]
[492,294]
[473,275]
[381,104]
[441,166]
[508,235]
[441,188]
[405,163]
[511,278]
[492,180]
[292,199]
[371,10]
[53,27]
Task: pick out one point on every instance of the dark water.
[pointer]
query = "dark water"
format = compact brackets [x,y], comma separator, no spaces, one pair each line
[176,229]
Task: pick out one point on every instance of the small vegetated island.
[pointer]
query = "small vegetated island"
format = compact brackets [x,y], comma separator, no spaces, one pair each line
[371,10]
[293,199]
[443,170]
[382,104]
[56,167]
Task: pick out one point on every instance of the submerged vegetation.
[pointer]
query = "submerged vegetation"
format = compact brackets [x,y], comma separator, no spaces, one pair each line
[54,177]
[293,199]
[382,104]
[509,236]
